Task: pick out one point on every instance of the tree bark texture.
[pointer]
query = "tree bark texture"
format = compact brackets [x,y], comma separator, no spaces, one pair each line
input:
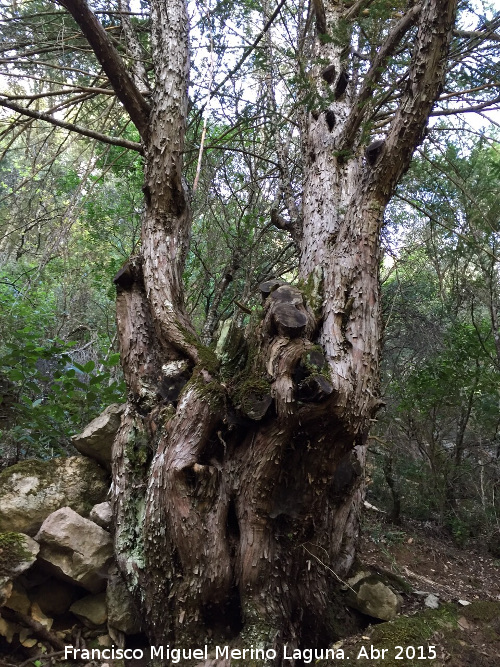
[238,474]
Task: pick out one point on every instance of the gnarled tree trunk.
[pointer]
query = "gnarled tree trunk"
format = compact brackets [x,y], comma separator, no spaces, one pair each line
[238,475]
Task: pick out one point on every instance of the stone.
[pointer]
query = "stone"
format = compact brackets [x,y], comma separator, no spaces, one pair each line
[102,515]
[358,576]
[8,629]
[96,440]
[37,615]
[91,610]
[54,597]
[432,601]
[18,599]
[31,490]
[29,642]
[75,549]
[122,614]
[5,590]
[18,552]
[374,598]
[105,641]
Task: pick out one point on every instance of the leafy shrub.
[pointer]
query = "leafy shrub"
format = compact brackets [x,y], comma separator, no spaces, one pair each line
[51,395]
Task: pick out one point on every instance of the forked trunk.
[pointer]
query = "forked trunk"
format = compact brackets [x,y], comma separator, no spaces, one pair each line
[238,474]
[238,500]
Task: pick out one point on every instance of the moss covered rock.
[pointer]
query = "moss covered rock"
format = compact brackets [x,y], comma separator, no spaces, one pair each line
[451,636]
[31,490]
[374,595]
[91,610]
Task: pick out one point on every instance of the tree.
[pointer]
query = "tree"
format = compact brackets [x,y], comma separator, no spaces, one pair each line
[238,473]
[440,363]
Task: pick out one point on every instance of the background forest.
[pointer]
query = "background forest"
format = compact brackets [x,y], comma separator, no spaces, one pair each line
[70,217]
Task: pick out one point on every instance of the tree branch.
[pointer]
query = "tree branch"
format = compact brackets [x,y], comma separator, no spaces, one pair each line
[113,141]
[58,93]
[483,106]
[111,62]
[467,240]
[468,91]
[425,79]
[40,631]
[356,8]
[375,72]
[133,46]
[250,49]
[476,33]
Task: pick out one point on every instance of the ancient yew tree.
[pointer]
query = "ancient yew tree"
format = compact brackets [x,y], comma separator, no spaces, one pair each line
[238,468]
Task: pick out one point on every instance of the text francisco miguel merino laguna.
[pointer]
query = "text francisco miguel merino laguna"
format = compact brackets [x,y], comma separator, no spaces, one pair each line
[175,655]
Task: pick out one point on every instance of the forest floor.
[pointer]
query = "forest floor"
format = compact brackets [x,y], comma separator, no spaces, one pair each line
[465,627]
[463,631]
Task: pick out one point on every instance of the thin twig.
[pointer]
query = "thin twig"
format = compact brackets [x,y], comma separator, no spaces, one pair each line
[31,113]
[207,105]
[250,49]
[328,568]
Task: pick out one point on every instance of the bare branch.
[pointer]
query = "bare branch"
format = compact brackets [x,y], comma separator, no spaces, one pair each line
[359,109]
[114,141]
[126,90]
[57,93]
[476,33]
[250,48]
[468,91]
[358,6]
[489,105]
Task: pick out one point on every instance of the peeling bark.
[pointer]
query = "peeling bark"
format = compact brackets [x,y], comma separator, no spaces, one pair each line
[238,476]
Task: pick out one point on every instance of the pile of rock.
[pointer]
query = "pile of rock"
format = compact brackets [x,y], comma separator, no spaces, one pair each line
[59,583]
[57,571]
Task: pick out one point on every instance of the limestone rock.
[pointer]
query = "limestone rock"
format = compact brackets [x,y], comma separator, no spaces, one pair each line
[37,615]
[29,642]
[75,549]
[122,614]
[91,610]
[18,599]
[6,586]
[102,515]
[96,440]
[31,490]
[8,629]
[374,598]
[432,601]
[358,576]
[17,553]
[105,641]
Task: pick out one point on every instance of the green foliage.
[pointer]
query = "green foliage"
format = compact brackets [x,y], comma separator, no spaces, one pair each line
[12,551]
[381,534]
[442,364]
[233,245]
[57,314]
[54,395]
[68,221]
